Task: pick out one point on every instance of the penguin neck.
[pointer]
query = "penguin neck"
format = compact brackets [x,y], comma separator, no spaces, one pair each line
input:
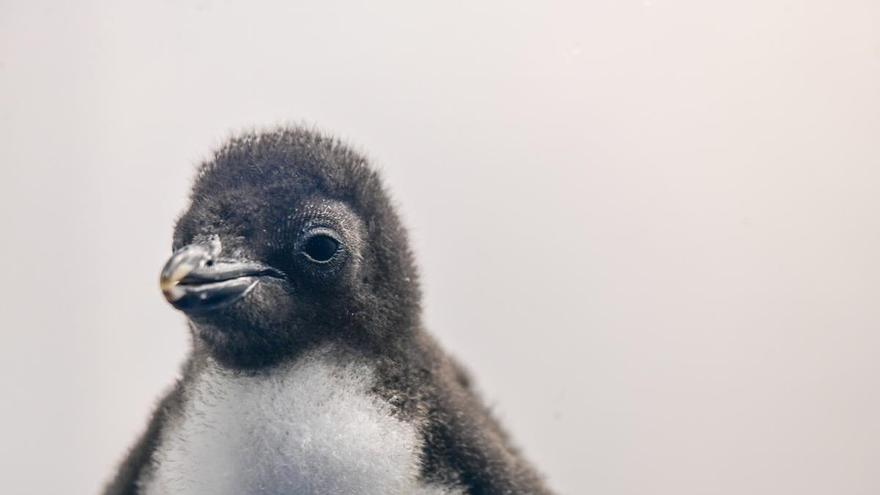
[375,341]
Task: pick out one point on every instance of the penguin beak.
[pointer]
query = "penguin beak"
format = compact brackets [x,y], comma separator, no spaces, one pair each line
[196,278]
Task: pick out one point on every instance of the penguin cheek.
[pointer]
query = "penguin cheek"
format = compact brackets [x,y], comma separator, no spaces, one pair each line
[254,331]
[260,309]
[258,312]
[270,305]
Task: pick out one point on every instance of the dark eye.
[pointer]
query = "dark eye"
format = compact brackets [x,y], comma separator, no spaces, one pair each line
[320,248]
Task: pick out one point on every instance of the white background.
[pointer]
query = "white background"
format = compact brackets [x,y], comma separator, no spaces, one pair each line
[650,227]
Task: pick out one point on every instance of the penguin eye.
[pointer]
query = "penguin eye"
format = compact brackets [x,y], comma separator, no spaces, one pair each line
[320,248]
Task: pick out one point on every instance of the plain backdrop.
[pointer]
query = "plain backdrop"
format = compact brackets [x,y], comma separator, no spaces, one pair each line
[649,227]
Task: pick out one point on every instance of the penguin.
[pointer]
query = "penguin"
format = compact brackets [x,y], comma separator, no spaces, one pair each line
[310,370]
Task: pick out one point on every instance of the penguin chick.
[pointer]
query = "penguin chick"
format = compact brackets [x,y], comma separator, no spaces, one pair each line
[310,371]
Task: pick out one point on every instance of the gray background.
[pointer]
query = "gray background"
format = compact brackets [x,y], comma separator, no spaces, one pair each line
[650,227]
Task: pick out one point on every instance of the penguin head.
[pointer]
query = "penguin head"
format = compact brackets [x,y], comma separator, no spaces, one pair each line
[289,241]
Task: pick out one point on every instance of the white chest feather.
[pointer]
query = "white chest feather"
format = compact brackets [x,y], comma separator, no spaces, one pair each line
[311,428]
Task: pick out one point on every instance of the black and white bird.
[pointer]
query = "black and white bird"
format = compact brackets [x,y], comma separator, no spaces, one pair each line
[310,371]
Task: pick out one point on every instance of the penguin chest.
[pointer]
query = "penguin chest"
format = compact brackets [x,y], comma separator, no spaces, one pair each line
[312,427]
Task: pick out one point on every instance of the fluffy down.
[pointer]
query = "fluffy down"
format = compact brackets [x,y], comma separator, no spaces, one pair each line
[313,427]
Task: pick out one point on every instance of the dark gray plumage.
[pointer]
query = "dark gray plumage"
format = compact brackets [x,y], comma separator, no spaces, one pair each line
[291,245]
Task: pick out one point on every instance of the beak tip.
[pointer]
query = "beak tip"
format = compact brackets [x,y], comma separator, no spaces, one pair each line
[173,293]
[181,263]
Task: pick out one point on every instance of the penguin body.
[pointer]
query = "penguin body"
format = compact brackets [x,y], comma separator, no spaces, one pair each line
[310,371]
